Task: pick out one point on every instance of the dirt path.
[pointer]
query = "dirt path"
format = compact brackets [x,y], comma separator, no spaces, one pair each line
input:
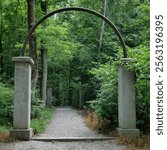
[65,123]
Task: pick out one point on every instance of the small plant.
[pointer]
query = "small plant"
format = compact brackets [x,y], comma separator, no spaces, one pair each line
[4,128]
[36,108]
[6,101]
[39,124]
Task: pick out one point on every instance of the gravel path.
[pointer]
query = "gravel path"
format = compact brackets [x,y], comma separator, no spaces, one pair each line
[65,123]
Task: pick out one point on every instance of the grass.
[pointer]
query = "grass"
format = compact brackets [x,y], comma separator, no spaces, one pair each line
[5,123]
[139,143]
[4,132]
[39,124]
[4,128]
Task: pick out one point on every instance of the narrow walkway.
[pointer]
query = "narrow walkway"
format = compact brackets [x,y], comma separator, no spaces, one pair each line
[66,122]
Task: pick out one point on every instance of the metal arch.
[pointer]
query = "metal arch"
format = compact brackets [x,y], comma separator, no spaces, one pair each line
[75,9]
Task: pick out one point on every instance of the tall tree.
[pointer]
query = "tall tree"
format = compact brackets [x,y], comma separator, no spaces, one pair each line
[43,59]
[1,47]
[1,54]
[103,25]
[32,43]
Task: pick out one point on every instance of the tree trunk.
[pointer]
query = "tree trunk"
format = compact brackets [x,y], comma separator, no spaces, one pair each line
[103,25]
[1,55]
[1,46]
[81,99]
[32,45]
[44,74]
[44,64]
[80,95]
[69,85]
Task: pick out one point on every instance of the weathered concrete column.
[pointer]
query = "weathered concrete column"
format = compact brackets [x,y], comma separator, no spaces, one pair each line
[22,99]
[126,100]
[49,97]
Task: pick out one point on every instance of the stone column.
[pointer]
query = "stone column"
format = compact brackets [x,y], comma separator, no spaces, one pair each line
[49,97]
[22,99]
[126,100]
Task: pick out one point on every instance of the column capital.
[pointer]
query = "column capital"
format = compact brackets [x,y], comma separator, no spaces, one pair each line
[49,86]
[128,60]
[23,60]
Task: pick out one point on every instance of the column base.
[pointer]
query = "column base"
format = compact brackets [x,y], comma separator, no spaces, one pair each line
[128,132]
[21,134]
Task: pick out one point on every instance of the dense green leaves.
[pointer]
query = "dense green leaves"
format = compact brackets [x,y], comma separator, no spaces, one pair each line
[142,69]
[6,101]
[105,104]
[76,71]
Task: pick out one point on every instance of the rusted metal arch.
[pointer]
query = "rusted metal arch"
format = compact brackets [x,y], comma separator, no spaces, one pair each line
[75,9]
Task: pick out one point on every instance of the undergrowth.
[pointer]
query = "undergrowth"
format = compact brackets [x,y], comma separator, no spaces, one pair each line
[4,128]
[39,124]
[93,121]
[138,143]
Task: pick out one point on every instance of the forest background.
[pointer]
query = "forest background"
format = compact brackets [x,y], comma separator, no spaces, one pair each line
[80,53]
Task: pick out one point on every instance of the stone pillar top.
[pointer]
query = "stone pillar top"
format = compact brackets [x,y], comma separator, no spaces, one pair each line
[128,60]
[23,60]
[49,86]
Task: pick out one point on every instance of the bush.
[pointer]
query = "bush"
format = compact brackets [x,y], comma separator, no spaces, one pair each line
[36,108]
[39,124]
[106,103]
[6,101]
[142,69]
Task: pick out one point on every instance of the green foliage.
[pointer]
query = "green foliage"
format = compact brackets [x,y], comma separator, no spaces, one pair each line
[12,24]
[4,128]
[105,104]
[142,69]
[39,124]
[36,108]
[137,28]
[72,40]
[6,101]
[6,106]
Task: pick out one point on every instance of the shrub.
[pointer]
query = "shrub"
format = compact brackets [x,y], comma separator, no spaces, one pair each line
[6,101]
[106,103]
[39,124]
[142,69]
[36,108]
